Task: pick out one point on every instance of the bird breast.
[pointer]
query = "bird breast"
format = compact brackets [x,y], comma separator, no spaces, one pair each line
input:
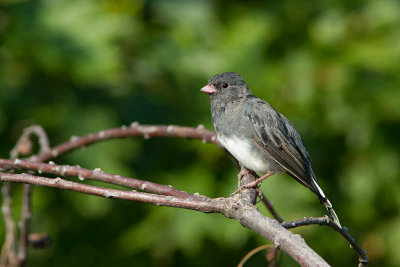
[248,154]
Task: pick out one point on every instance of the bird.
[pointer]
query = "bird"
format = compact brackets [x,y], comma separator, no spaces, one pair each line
[261,139]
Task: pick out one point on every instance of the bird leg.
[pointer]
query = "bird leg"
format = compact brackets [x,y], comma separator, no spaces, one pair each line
[256,182]
[253,184]
[240,176]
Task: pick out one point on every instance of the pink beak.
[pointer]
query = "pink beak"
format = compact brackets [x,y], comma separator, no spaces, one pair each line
[209,89]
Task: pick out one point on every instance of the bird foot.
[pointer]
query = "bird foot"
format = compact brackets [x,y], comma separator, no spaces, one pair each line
[240,176]
[235,192]
[260,193]
[253,184]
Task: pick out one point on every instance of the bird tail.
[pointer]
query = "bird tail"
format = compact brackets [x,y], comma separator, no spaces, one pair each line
[330,209]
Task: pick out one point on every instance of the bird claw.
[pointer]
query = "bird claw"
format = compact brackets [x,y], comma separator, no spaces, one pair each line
[258,181]
[260,193]
[240,176]
[255,184]
[235,192]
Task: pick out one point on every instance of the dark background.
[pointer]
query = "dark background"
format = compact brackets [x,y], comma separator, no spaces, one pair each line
[332,67]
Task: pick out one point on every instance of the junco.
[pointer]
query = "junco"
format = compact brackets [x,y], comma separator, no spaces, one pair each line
[259,137]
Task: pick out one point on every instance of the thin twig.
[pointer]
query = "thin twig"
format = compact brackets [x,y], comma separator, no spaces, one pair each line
[188,203]
[252,252]
[135,130]
[270,206]
[24,143]
[271,257]
[24,223]
[96,174]
[26,211]
[8,251]
[362,255]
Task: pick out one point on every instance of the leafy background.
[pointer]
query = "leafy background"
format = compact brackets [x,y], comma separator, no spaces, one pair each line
[332,67]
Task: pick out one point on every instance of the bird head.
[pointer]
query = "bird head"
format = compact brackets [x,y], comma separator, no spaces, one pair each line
[229,85]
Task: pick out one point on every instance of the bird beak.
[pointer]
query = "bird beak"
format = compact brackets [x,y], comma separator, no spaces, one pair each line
[209,89]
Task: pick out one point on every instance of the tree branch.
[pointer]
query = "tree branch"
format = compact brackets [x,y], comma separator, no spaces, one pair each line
[24,223]
[8,251]
[239,207]
[23,147]
[362,255]
[96,174]
[135,130]
[251,253]
[24,143]
[270,206]
[187,203]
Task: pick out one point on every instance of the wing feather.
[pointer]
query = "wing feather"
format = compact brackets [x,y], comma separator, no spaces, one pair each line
[279,139]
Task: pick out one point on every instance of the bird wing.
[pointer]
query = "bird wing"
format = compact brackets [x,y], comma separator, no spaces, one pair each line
[278,138]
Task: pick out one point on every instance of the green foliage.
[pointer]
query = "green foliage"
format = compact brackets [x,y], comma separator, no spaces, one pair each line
[81,66]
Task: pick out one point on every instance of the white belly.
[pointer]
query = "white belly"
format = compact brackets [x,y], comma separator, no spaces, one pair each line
[252,159]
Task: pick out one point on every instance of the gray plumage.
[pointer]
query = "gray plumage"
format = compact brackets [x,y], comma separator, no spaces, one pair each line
[258,136]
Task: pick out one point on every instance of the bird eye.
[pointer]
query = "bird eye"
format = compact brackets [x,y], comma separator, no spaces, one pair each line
[224,85]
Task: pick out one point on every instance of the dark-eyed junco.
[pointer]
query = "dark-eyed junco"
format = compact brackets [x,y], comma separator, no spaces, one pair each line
[258,136]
